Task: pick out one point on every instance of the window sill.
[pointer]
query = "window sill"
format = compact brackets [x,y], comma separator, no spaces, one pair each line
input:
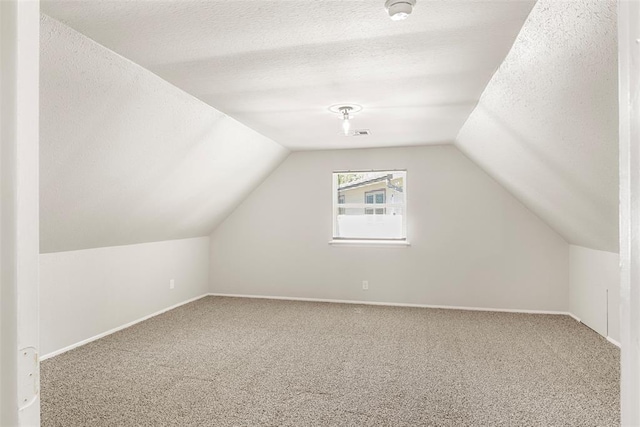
[362,243]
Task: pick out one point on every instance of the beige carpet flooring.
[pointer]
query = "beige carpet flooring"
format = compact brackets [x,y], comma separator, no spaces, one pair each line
[248,362]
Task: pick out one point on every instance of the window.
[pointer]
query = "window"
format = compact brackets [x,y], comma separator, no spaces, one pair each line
[370,205]
[341,201]
[372,198]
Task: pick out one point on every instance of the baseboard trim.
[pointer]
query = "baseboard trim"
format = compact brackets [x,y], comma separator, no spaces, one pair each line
[393,304]
[614,342]
[576,318]
[328,300]
[119,328]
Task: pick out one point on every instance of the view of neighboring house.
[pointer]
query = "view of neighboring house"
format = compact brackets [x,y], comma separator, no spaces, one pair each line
[371,189]
[370,204]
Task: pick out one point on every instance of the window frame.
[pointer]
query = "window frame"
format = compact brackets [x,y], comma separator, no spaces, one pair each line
[401,241]
[373,209]
[340,203]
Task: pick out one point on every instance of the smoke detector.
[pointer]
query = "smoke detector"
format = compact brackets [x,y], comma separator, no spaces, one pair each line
[399,9]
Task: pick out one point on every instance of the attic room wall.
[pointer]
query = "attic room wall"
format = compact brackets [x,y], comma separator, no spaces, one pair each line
[19,111]
[128,158]
[546,125]
[130,167]
[472,243]
[594,289]
[86,293]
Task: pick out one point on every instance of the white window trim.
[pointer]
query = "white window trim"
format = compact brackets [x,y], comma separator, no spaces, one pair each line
[372,242]
[368,242]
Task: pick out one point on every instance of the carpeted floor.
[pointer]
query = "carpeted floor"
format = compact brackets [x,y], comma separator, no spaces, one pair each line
[247,362]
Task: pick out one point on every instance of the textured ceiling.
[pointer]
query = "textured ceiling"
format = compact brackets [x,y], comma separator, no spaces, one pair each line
[278,65]
[546,126]
[128,158]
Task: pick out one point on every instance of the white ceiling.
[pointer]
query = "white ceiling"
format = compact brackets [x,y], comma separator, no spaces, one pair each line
[546,126]
[125,157]
[277,65]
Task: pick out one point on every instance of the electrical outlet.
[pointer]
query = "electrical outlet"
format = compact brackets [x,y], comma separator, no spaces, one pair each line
[172,284]
[365,285]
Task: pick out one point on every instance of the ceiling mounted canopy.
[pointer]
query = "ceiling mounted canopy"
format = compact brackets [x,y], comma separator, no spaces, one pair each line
[346,113]
[399,9]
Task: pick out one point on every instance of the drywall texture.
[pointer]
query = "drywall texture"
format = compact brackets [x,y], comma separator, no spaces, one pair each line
[19,41]
[546,126]
[629,62]
[594,289]
[128,158]
[472,243]
[277,66]
[88,292]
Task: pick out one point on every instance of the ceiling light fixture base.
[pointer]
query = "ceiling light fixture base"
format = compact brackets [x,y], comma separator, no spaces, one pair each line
[399,9]
[340,108]
[346,112]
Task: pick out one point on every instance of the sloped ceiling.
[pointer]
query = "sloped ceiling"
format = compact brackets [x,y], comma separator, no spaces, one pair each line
[128,158]
[546,126]
[277,65]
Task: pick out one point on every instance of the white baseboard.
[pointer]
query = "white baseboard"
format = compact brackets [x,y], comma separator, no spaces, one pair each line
[614,342]
[576,318]
[611,340]
[119,328]
[393,304]
[337,301]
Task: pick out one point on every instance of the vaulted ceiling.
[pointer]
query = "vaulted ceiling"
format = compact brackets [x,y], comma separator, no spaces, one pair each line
[546,126]
[159,117]
[278,65]
[125,157]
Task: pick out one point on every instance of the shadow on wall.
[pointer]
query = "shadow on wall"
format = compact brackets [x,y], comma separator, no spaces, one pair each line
[542,159]
[510,143]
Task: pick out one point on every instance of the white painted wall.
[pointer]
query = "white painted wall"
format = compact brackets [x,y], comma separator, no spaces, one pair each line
[629,72]
[472,243]
[613,301]
[546,124]
[128,158]
[19,110]
[8,287]
[87,292]
[594,289]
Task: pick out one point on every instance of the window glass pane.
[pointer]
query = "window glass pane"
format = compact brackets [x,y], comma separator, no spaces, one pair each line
[370,226]
[355,190]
